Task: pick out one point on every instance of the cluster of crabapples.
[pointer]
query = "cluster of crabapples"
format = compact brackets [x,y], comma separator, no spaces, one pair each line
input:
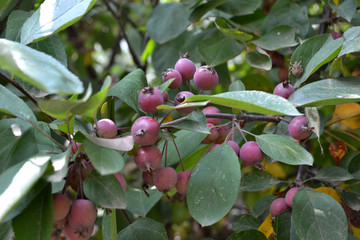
[281,204]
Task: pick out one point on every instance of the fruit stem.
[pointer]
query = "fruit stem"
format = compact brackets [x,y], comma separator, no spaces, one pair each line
[181,162]
[126,216]
[241,131]
[166,147]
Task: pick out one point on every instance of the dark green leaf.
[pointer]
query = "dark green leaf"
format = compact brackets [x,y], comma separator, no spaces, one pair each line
[351,42]
[346,9]
[128,88]
[139,203]
[262,205]
[277,38]
[105,161]
[222,25]
[26,68]
[257,181]
[105,191]
[352,200]
[317,216]
[202,9]
[245,222]
[333,174]
[284,150]
[6,230]
[144,228]
[196,121]
[282,226]
[52,17]
[190,161]
[176,22]
[251,234]
[214,184]
[327,92]
[240,7]
[252,101]
[258,59]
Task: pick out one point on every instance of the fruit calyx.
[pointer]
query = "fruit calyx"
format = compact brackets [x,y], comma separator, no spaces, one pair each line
[186,55]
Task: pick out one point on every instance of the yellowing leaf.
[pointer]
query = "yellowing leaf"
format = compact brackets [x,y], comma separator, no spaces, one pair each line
[356,231]
[347,114]
[336,2]
[266,227]
[337,151]
[276,170]
[329,191]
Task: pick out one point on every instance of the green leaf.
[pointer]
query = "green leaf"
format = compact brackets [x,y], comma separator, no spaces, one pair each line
[222,25]
[144,228]
[333,174]
[202,9]
[128,88]
[13,187]
[27,68]
[121,144]
[327,92]
[14,24]
[105,191]
[252,101]
[190,161]
[317,216]
[257,181]
[262,206]
[60,165]
[52,17]
[314,53]
[282,226]
[105,161]
[6,230]
[219,49]
[352,200]
[138,203]
[251,234]
[259,59]
[284,150]
[36,221]
[10,103]
[236,85]
[214,184]
[183,105]
[240,7]
[346,9]
[313,118]
[278,38]
[161,30]
[245,222]
[351,42]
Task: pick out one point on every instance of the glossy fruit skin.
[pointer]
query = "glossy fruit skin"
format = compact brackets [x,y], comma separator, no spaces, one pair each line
[211,109]
[234,146]
[290,195]
[172,73]
[165,97]
[148,158]
[277,206]
[298,128]
[106,128]
[76,234]
[122,180]
[145,131]
[182,181]
[251,154]
[82,213]
[165,179]
[61,206]
[179,98]
[206,78]
[210,138]
[336,35]
[186,68]
[150,98]
[282,91]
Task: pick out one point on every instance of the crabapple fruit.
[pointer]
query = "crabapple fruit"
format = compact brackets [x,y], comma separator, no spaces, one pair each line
[150,98]
[76,234]
[298,128]
[290,195]
[122,180]
[165,97]
[251,154]
[284,90]
[210,138]
[277,206]
[61,206]
[223,132]
[148,177]
[185,67]
[172,73]
[182,181]
[148,158]
[234,146]
[106,128]
[82,214]
[179,98]
[206,78]
[336,35]
[145,131]
[211,109]
[165,179]
[58,224]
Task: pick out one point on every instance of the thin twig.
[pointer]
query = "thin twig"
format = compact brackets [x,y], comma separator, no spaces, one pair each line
[181,162]
[126,216]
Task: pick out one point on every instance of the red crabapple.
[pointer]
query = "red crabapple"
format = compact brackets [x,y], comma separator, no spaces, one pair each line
[206,78]
[165,179]
[82,215]
[223,132]
[284,90]
[148,158]
[234,146]
[211,109]
[165,97]
[290,195]
[58,224]
[179,98]
[61,206]
[148,177]
[336,35]
[185,67]
[298,128]
[182,181]
[251,154]
[210,138]
[106,128]
[172,73]
[75,234]
[277,206]
[150,98]
[122,180]
[145,131]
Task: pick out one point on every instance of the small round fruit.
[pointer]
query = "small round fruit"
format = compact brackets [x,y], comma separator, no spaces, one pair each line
[122,180]
[106,128]
[148,158]
[75,146]
[211,109]
[165,179]
[336,35]
[182,181]
[206,78]
[251,154]
[298,128]
[82,213]
[223,132]
[165,97]
[277,206]
[284,91]
[290,195]
[78,234]
[234,146]
[210,138]
[145,131]
[150,98]
[61,206]
[186,68]
[58,224]
[172,73]
[180,98]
